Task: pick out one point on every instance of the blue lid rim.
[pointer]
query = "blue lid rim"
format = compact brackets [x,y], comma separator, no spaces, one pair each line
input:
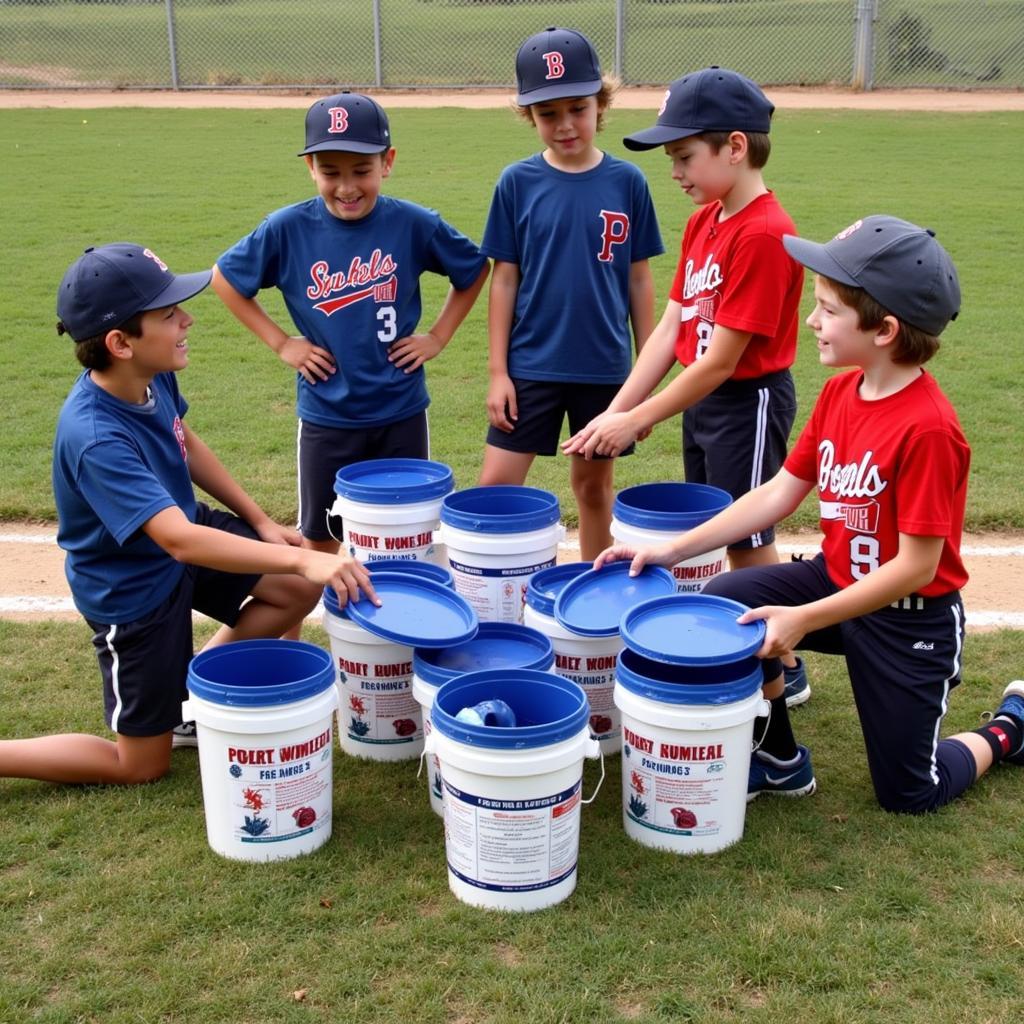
[541,581]
[527,509]
[610,572]
[466,690]
[662,682]
[424,660]
[630,514]
[318,678]
[437,481]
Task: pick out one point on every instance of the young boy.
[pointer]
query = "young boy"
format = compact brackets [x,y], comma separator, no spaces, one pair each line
[142,553]
[571,230]
[348,264]
[890,462]
[731,317]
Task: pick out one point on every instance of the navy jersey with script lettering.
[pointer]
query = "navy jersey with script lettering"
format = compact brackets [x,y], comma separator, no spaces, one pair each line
[353,287]
[115,466]
[574,238]
[735,272]
[895,465]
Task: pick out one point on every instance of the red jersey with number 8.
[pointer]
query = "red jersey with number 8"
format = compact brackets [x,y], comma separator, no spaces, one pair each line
[886,467]
[736,273]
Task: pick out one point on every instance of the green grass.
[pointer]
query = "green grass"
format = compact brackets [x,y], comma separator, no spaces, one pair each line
[113,909]
[189,183]
[456,42]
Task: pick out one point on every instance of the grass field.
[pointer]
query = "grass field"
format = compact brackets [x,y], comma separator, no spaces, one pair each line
[113,909]
[457,42]
[189,183]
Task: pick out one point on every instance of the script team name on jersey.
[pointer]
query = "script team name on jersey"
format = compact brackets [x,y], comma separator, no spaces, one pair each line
[362,280]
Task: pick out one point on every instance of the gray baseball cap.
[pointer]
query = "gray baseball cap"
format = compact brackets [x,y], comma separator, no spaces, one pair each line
[901,266]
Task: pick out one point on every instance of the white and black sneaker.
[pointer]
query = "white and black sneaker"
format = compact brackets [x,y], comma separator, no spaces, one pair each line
[184,735]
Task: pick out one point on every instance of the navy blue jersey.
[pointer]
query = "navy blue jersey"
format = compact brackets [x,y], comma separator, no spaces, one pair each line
[574,238]
[116,465]
[353,287]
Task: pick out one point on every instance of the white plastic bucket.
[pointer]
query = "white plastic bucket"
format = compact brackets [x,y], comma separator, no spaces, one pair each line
[686,741]
[505,645]
[263,711]
[378,716]
[655,513]
[390,507]
[589,662]
[497,538]
[513,795]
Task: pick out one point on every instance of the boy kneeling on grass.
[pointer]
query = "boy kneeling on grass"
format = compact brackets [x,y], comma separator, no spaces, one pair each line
[142,553]
[884,447]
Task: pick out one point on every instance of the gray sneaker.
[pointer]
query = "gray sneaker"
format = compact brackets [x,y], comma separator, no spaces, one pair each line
[184,735]
[798,690]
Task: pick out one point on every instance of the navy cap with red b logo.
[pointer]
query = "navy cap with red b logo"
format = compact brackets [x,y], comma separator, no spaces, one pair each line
[556,64]
[347,121]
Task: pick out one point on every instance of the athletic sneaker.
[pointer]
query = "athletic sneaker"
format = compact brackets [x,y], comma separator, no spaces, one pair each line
[798,690]
[1013,705]
[184,735]
[781,778]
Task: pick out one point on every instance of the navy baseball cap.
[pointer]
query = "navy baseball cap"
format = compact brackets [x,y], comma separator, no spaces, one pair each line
[556,64]
[347,121]
[901,266]
[108,284]
[712,100]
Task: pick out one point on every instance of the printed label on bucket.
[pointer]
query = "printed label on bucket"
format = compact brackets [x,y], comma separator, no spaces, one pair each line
[512,845]
[368,547]
[280,792]
[595,673]
[672,787]
[376,704]
[693,575]
[496,595]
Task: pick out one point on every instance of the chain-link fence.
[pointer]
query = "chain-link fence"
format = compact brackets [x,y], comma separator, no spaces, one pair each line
[192,44]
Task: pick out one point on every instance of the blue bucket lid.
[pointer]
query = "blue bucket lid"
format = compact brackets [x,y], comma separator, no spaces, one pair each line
[496,645]
[548,708]
[260,673]
[594,602]
[414,611]
[691,629]
[546,585]
[688,684]
[393,481]
[410,566]
[672,505]
[501,508]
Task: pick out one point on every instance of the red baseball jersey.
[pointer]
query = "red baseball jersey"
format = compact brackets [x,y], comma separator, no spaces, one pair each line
[896,465]
[736,273]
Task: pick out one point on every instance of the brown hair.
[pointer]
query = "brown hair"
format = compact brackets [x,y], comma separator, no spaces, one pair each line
[913,346]
[603,96]
[92,352]
[759,146]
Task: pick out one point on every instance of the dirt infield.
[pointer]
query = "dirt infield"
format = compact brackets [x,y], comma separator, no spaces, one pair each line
[626,98]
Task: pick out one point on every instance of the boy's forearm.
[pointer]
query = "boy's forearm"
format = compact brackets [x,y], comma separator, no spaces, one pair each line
[654,360]
[210,474]
[248,312]
[456,307]
[641,303]
[500,310]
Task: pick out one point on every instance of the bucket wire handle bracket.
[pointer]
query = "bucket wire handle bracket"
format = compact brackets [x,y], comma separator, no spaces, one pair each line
[768,714]
[597,788]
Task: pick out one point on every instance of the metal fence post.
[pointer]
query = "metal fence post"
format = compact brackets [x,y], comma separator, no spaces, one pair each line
[864,44]
[620,34]
[172,45]
[378,63]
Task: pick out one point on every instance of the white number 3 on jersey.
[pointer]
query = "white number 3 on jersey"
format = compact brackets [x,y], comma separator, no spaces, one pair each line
[389,324]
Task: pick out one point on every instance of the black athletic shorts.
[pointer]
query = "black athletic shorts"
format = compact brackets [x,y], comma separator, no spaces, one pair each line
[543,406]
[736,438]
[144,663]
[325,450]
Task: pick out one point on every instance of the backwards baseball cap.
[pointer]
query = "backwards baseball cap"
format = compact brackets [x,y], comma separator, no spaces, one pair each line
[556,64]
[901,266]
[712,100]
[108,284]
[347,121]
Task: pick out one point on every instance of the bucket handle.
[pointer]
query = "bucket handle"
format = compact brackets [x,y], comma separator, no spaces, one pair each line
[766,709]
[327,522]
[594,750]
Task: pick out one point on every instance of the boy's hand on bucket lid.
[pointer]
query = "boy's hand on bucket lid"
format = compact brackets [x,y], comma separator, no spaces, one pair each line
[617,553]
[342,572]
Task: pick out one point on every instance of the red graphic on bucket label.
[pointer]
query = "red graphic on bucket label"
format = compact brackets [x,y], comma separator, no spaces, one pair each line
[369,546]
[377,704]
[512,845]
[692,576]
[280,791]
[595,673]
